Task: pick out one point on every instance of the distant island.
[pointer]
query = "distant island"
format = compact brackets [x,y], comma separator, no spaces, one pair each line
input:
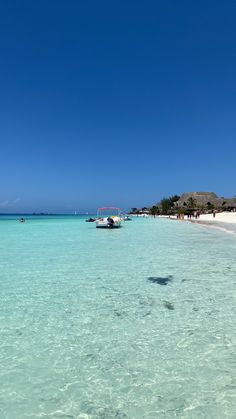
[187,203]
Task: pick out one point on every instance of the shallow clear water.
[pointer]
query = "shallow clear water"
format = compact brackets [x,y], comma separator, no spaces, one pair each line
[131,323]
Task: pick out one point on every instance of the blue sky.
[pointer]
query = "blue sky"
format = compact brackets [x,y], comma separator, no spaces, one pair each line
[115,103]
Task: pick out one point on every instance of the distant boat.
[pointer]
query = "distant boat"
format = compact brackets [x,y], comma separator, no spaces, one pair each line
[127,218]
[110,221]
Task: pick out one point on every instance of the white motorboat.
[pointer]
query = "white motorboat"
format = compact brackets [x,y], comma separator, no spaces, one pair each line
[110,221]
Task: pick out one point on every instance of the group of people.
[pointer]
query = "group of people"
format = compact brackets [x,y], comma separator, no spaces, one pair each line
[190,215]
[195,215]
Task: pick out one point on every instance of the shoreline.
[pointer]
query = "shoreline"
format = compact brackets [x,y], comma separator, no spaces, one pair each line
[224,221]
[226,227]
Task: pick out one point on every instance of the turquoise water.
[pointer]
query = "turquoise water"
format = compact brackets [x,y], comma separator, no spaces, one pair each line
[131,323]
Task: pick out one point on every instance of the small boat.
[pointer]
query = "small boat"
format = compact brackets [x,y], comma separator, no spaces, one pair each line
[110,221]
[22,220]
[127,218]
[91,220]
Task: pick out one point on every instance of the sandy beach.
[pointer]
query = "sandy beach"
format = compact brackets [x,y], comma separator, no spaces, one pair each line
[220,217]
[223,220]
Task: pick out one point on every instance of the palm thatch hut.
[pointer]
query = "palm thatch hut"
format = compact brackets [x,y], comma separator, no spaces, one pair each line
[199,200]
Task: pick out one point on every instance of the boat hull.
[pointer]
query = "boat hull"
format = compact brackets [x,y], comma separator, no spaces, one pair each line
[108,222]
[108,226]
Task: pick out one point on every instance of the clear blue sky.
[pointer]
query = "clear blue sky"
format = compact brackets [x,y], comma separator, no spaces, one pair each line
[115,102]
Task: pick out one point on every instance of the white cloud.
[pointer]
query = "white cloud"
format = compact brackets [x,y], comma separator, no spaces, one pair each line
[16,200]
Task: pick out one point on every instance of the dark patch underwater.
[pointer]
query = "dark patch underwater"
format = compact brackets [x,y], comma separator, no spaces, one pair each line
[168,305]
[160,280]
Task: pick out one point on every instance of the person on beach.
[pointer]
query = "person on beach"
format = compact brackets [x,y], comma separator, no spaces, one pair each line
[214,213]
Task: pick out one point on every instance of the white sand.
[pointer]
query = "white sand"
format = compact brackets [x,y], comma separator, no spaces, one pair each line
[222,217]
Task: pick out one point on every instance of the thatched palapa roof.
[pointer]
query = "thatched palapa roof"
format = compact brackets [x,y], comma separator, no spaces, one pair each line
[201,199]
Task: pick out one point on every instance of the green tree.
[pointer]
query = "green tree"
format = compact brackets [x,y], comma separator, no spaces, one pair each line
[166,205]
[154,210]
[174,198]
[210,206]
